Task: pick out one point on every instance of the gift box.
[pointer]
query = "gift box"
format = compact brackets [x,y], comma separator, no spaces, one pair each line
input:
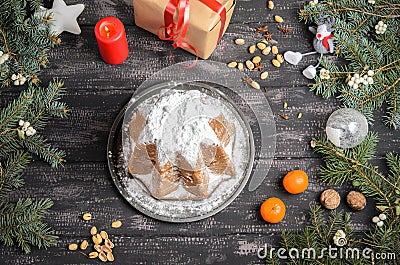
[193,25]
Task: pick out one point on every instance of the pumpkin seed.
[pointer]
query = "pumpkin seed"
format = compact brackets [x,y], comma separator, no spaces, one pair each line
[104,248]
[239,41]
[278,19]
[110,256]
[255,85]
[299,115]
[265,41]
[285,105]
[84,244]
[103,256]
[280,58]
[274,50]
[252,49]
[97,248]
[232,64]
[271,5]
[97,239]
[108,243]
[87,216]
[256,59]
[240,66]
[93,255]
[276,63]
[93,231]
[116,224]
[264,75]
[73,246]
[261,45]
[250,65]
[267,50]
[104,234]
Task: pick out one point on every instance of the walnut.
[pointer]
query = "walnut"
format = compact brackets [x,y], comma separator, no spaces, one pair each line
[356,200]
[330,199]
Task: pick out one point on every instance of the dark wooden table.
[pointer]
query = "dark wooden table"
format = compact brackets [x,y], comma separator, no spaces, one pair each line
[96,93]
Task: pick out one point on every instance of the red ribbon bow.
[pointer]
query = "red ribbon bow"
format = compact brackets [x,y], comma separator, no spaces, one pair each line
[176,32]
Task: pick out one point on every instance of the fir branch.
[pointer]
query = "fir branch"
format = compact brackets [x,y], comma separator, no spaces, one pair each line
[35,105]
[355,167]
[333,8]
[317,236]
[351,165]
[38,145]
[393,162]
[47,104]
[22,224]
[26,38]
[10,175]
[10,115]
[357,42]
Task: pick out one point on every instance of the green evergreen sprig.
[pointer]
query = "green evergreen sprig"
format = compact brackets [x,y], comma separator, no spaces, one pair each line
[317,236]
[35,105]
[22,223]
[364,49]
[353,165]
[25,40]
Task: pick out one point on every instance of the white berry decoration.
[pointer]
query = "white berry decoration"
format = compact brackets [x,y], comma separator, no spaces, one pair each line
[18,79]
[26,128]
[378,220]
[370,72]
[357,81]
[313,3]
[375,219]
[382,216]
[380,28]
[3,57]
[371,2]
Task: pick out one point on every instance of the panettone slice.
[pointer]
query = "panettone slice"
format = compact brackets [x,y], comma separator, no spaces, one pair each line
[223,129]
[194,180]
[136,126]
[142,159]
[165,180]
[217,160]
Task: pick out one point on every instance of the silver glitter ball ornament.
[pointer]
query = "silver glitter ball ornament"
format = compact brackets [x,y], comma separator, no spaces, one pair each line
[346,128]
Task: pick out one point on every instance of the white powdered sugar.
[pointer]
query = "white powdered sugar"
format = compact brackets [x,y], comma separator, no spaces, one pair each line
[178,121]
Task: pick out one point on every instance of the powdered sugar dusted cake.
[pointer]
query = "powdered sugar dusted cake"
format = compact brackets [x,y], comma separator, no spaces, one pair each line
[182,144]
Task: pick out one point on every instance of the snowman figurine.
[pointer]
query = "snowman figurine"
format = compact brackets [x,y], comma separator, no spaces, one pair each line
[323,44]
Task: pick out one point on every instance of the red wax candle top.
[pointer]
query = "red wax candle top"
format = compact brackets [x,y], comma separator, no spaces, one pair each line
[111,39]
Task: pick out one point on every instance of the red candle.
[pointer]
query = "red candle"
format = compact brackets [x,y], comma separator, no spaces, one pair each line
[111,39]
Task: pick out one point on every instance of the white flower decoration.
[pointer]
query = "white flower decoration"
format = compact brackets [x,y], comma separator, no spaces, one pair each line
[324,74]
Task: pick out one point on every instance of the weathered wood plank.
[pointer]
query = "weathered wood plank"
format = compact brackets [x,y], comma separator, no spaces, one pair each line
[174,249]
[81,187]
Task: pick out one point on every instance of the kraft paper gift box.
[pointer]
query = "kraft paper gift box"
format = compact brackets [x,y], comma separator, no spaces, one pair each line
[204,24]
